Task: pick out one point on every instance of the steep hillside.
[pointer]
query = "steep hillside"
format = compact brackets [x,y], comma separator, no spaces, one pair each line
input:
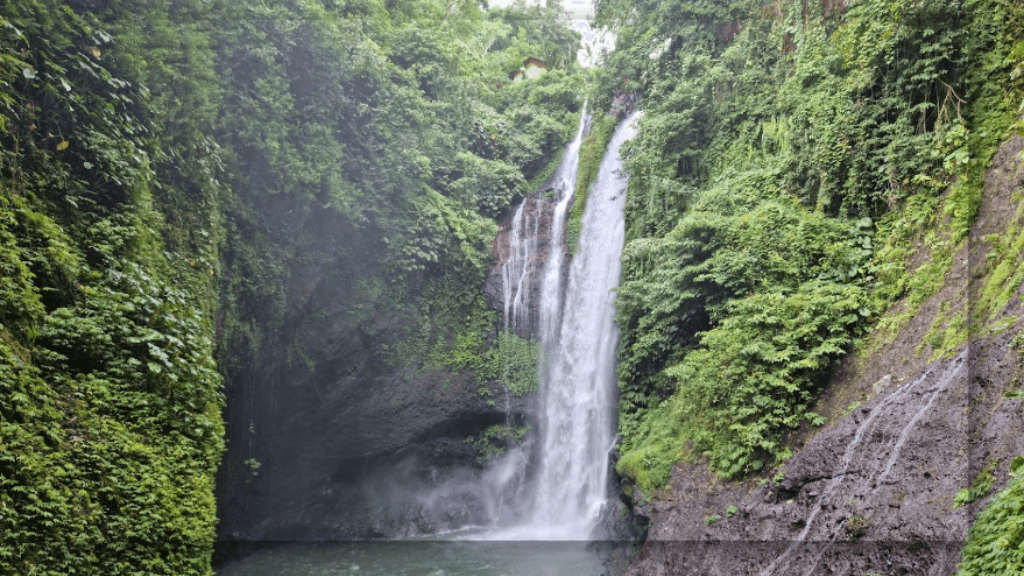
[914,448]
[810,181]
[110,425]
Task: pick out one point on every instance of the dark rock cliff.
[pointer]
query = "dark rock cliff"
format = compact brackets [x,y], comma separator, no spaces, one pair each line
[537,214]
[328,440]
[874,492]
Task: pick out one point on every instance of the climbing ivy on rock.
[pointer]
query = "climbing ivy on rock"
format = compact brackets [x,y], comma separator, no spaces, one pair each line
[110,428]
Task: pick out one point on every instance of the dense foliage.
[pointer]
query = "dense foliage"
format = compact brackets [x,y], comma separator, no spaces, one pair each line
[592,151]
[110,426]
[512,363]
[156,153]
[402,124]
[995,543]
[789,154]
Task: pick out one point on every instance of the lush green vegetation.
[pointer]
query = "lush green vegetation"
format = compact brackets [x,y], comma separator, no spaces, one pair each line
[512,363]
[494,440]
[110,426]
[165,164]
[980,486]
[400,122]
[155,154]
[792,157]
[592,151]
[995,543]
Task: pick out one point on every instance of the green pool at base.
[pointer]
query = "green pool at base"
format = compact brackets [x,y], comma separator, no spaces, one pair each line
[428,558]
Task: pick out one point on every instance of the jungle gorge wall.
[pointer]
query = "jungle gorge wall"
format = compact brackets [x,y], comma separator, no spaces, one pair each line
[919,439]
[305,191]
[811,179]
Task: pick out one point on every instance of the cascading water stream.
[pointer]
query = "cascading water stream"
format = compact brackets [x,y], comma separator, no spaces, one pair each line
[577,423]
[577,371]
[551,281]
[517,269]
[504,479]
[523,239]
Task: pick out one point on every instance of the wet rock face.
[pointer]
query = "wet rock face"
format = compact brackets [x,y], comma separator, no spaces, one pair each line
[535,221]
[345,446]
[326,440]
[349,453]
[873,493]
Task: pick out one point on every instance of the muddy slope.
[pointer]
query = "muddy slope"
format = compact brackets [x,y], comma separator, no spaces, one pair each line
[874,491]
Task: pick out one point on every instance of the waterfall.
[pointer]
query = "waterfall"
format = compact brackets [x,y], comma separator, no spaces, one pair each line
[569,487]
[504,480]
[520,267]
[516,272]
[551,281]
[577,419]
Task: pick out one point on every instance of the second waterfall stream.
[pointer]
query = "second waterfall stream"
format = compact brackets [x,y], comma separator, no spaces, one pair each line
[577,412]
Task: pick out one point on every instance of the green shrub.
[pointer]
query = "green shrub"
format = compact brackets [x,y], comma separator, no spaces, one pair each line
[493,441]
[754,376]
[980,486]
[857,526]
[513,363]
[995,542]
[592,151]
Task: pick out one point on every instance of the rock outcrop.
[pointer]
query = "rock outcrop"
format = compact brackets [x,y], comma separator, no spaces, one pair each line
[536,221]
[331,440]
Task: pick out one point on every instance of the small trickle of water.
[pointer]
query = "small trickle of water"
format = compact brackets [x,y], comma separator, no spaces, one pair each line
[946,376]
[515,273]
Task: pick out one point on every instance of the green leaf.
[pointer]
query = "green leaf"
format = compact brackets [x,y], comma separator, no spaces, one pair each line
[1017,466]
